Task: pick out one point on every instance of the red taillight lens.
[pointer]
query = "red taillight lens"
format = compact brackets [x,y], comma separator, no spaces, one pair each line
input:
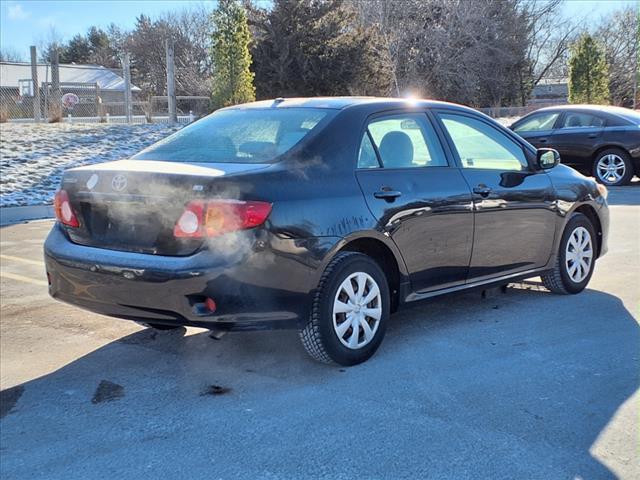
[64,211]
[213,218]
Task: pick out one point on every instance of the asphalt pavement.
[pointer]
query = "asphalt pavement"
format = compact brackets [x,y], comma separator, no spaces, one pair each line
[522,385]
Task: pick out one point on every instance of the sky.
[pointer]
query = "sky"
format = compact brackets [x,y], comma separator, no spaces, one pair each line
[29,22]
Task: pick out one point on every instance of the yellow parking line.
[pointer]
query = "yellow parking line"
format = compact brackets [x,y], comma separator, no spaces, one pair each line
[23,260]
[20,278]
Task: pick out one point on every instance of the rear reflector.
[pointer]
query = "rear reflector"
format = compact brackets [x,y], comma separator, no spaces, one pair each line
[216,217]
[63,209]
[210,304]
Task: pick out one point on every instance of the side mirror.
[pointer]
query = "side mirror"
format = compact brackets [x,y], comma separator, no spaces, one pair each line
[547,158]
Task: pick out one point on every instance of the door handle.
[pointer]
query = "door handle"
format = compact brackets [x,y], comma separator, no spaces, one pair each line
[542,140]
[592,135]
[388,195]
[482,190]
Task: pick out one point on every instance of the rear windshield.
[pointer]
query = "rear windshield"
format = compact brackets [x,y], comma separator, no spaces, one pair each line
[239,136]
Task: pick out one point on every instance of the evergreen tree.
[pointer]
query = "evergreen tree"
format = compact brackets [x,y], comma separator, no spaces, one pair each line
[310,48]
[77,51]
[588,72]
[231,59]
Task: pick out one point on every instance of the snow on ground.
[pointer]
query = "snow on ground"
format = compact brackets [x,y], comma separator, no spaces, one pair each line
[33,156]
[506,121]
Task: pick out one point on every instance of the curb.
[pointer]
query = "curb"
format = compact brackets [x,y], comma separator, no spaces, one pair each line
[11,215]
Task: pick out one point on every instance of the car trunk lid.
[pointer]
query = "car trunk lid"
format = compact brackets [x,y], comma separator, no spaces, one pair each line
[133,205]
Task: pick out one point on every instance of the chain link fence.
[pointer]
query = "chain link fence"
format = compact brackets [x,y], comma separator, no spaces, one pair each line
[48,92]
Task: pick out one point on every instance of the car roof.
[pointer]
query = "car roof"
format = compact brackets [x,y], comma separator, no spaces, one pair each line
[340,103]
[620,112]
[586,108]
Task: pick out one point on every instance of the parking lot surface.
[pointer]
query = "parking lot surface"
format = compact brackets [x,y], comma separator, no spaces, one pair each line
[525,384]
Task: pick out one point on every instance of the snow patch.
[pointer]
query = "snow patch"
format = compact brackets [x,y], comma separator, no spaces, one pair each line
[34,156]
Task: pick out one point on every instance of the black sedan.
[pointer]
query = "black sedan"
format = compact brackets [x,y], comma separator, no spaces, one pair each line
[596,140]
[323,214]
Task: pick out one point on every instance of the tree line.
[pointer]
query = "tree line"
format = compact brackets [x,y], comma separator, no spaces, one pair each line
[480,53]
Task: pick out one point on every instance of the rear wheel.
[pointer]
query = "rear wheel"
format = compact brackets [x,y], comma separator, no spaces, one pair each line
[350,311]
[613,167]
[576,258]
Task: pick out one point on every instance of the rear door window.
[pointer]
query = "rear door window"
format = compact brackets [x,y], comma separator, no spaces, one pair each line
[402,141]
[581,120]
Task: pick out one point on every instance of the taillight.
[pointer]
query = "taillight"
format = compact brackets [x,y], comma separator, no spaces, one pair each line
[216,217]
[63,209]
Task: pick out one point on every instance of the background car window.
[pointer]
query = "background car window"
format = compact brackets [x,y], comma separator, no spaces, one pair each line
[584,120]
[482,146]
[367,157]
[541,121]
[406,141]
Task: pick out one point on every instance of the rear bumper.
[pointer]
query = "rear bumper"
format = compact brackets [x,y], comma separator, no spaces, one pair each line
[258,291]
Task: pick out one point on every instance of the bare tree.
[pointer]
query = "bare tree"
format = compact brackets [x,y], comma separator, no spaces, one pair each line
[188,29]
[11,55]
[47,44]
[617,33]
[549,38]
[469,52]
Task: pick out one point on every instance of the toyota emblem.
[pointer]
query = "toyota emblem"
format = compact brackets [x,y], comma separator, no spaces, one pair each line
[119,183]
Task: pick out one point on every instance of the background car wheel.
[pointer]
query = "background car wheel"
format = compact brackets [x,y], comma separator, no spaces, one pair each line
[576,258]
[613,167]
[350,311]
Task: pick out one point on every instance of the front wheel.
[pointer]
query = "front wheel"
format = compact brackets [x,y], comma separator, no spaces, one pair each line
[576,258]
[349,312]
[613,167]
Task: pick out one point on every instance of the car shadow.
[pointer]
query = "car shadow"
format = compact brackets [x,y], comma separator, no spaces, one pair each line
[515,385]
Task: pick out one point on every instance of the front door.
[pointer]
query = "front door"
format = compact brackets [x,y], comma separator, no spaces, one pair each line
[514,216]
[419,200]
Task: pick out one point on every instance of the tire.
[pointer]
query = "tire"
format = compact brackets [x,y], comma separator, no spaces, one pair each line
[620,167]
[328,335]
[570,277]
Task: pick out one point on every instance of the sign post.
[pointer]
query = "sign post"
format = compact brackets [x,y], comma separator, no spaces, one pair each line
[36,85]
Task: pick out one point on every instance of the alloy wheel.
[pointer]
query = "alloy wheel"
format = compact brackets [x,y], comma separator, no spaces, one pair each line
[579,254]
[610,168]
[357,310]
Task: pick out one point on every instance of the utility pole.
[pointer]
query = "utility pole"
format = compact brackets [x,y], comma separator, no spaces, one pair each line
[171,82]
[36,85]
[55,109]
[127,86]
[636,72]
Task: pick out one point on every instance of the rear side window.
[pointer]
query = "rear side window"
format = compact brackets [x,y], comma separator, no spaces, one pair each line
[239,136]
[367,157]
[482,146]
[581,120]
[538,122]
[403,141]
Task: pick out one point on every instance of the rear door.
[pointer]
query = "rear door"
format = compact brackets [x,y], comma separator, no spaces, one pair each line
[421,201]
[514,204]
[576,137]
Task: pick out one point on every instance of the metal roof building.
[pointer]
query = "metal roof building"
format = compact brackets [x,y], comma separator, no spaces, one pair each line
[11,73]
